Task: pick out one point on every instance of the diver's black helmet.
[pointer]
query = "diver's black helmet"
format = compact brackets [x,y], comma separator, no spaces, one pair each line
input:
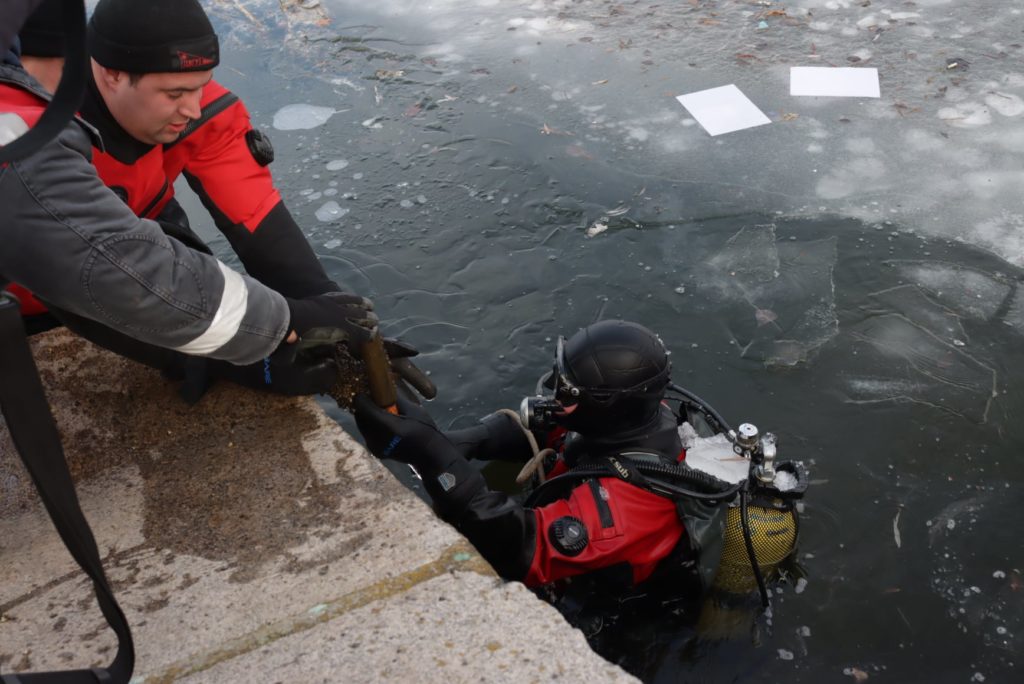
[610,377]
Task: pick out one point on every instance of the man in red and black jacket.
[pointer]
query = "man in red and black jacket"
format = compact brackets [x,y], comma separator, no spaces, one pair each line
[151,97]
[609,381]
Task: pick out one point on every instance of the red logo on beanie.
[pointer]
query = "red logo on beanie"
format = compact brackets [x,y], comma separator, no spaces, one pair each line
[186,60]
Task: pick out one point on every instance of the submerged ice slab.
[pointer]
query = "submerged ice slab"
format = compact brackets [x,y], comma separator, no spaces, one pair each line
[783,292]
[911,302]
[901,361]
[965,290]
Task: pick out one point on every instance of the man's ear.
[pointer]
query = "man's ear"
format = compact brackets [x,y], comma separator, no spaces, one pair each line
[110,79]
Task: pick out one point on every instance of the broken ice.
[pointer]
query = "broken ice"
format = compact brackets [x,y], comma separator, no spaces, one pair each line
[301,116]
[331,211]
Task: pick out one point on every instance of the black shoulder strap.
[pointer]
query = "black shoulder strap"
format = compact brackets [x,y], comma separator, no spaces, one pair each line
[36,439]
[69,93]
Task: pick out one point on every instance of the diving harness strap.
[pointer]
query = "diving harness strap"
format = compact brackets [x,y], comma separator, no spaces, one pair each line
[37,441]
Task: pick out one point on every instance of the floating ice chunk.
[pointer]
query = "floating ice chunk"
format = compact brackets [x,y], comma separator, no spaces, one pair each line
[801,585]
[301,116]
[406,204]
[596,228]
[331,211]
[784,481]
[331,244]
[337,164]
[785,655]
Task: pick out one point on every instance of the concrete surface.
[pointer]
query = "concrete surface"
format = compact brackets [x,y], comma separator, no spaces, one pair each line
[250,539]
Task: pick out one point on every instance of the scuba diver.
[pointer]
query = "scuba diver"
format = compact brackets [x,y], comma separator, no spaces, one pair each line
[615,503]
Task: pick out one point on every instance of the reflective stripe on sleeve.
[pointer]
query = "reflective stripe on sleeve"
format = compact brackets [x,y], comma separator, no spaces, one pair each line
[12,127]
[227,319]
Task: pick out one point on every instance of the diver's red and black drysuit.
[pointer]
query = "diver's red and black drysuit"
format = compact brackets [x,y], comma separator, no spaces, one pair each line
[598,524]
[224,159]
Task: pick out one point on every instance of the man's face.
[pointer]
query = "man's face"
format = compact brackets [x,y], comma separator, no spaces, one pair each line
[157,107]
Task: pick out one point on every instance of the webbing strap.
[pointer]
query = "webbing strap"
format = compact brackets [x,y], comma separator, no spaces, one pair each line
[69,93]
[37,441]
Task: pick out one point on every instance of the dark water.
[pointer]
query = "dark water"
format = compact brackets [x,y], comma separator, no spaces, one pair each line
[878,340]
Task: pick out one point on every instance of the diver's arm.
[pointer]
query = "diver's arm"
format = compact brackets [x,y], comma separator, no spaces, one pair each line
[499,527]
[497,437]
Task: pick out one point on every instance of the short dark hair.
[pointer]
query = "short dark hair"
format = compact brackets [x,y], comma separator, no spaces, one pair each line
[133,79]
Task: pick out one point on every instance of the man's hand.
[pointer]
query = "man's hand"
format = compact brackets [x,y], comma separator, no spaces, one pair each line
[329,318]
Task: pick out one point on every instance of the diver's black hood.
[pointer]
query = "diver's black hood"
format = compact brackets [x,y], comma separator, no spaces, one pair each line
[659,435]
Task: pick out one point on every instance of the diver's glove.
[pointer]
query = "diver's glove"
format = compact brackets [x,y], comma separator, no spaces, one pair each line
[412,437]
[399,354]
[500,436]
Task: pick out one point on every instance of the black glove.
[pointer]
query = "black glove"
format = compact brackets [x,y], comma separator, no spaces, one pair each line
[399,354]
[497,437]
[325,319]
[412,437]
[281,374]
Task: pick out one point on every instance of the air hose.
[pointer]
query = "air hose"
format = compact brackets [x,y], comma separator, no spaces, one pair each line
[702,485]
[704,407]
[749,543]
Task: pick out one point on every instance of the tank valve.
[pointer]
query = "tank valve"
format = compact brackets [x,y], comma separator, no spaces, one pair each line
[765,471]
[747,441]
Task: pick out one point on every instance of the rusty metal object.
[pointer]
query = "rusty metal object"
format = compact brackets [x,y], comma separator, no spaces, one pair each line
[370,374]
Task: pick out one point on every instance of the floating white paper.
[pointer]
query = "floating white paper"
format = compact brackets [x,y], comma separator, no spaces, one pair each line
[834,81]
[723,110]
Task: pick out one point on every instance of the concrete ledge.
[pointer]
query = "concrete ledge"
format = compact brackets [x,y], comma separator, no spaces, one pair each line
[250,539]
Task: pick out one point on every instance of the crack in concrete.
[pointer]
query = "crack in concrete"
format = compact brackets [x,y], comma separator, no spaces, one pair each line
[459,556]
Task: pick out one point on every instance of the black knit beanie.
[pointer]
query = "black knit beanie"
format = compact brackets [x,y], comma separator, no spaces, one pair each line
[147,36]
[43,33]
